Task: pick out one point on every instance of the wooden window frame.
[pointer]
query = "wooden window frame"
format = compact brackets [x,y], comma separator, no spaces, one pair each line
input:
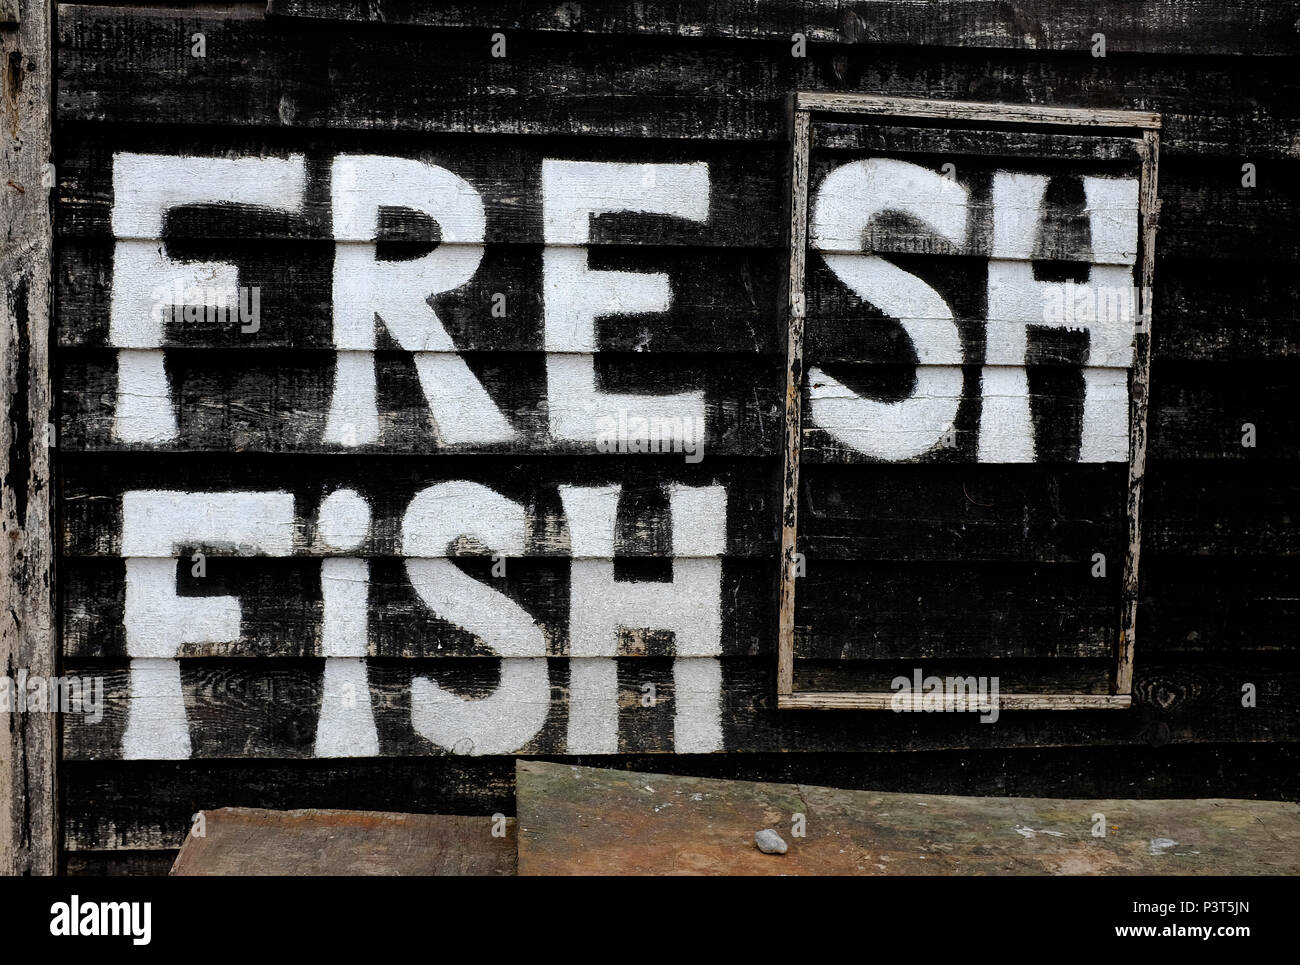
[803,105]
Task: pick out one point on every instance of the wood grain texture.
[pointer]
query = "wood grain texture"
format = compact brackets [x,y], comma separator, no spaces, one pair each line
[1187,26]
[846,611]
[322,842]
[1206,309]
[106,864]
[269,709]
[1207,212]
[1227,509]
[93,502]
[1139,409]
[947,564]
[29,834]
[121,65]
[851,610]
[279,401]
[591,821]
[117,810]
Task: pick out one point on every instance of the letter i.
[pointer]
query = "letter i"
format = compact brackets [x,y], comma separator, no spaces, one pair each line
[346,727]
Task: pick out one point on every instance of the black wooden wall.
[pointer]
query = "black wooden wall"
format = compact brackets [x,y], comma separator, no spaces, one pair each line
[671,83]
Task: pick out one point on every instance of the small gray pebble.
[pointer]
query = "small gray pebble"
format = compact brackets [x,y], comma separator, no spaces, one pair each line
[769,842]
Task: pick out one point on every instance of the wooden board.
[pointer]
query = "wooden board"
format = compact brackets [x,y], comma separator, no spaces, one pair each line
[29,803]
[589,821]
[948,563]
[117,808]
[1186,26]
[118,65]
[253,841]
[239,708]
[1207,211]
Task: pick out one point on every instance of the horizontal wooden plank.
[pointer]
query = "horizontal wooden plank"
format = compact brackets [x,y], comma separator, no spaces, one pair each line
[584,821]
[1231,509]
[892,138]
[324,841]
[506,175]
[1031,512]
[848,700]
[280,401]
[733,289]
[1061,676]
[1202,603]
[282,610]
[1055,425]
[1221,311]
[113,807]
[152,804]
[93,485]
[1186,26]
[1205,411]
[130,65]
[988,512]
[844,610]
[876,105]
[104,864]
[1206,211]
[1042,512]
[1205,309]
[934,611]
[240,709]
[1244,509]
[1197,410]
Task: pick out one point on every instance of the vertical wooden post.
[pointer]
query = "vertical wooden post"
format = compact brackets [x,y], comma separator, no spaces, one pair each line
[800,152]
[28,641]
[1140,386]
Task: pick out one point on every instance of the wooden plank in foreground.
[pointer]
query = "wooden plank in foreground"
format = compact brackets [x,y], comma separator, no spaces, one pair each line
[582,820]
[256,841]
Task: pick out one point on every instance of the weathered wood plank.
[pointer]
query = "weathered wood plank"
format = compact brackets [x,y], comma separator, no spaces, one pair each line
[282,612]
[734,289]
[280,401]
[893,138]
[1217,311]
[857,610]
[845,610]
[1240,509]
[1201,603]
[1230,509]
[152,804]
[120,65]
[973,112]
[1184,27]
[29,807]
[1060,678]
[95,483]
[1032,698]
[117,808]
[896,511]
[269,709]
[311,841]
[1205,309]
[104,864]
[590,821]
[505,172]
[1207,212]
